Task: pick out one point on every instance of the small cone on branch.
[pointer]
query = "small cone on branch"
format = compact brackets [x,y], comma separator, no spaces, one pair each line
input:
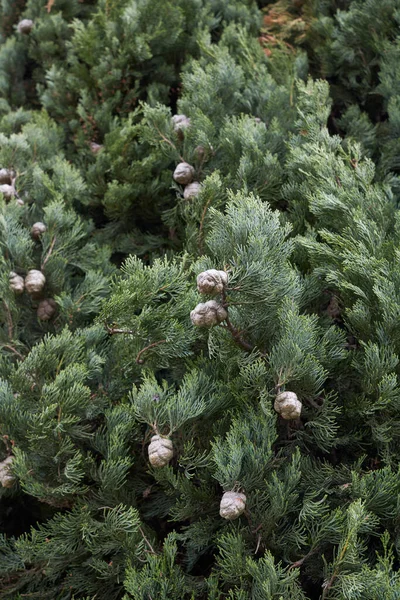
[5,176]
[288,405]
[183,173]
[46,309]
[160,451]
[203,152]
[7,479]
[232,505]
[37,230]
[208,314]
[199,152]
[25,26]
[192,190]
[333,308]
[7,190]
[180,122]
[95,148]
[34,281]
[211,281]
[17,283]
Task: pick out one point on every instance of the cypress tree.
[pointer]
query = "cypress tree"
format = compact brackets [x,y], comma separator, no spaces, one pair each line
[199,342]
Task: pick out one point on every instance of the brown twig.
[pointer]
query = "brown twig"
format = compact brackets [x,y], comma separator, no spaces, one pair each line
[354,163]
[49,253]
[313,404]
[259,537]
[139,360]
[147,541]
[16,580]
[10,326]
[203,216]
[13,350]
[237,337]
[169,142]
[257,529]
[299,563]
[59,421]
[236,334]
[247,514]
[7,443]
[113,330]
[335,573]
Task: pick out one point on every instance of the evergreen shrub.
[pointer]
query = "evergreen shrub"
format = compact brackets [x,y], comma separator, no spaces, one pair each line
[199,300]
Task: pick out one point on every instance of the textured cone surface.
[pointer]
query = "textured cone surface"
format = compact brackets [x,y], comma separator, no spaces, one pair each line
[211,281]
[192,190]
[46,309]
[25,26]
[38,229]
[288,405]
[232,505]
[17,283]
[161,451]
[208,314]
[34,281]
[183,173]
[7,479]
[180,122]
[7,190]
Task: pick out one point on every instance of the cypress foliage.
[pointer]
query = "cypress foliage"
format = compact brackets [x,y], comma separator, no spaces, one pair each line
[199,392]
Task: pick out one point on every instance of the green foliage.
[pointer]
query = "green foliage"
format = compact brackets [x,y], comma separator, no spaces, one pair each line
[297,205]
[159,578]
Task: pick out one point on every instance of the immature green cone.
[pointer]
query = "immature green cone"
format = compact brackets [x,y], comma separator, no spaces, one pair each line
[160,451]
[211,282]
[232,505]
[17,283]
[7,479]
[208,314]
[288,405]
